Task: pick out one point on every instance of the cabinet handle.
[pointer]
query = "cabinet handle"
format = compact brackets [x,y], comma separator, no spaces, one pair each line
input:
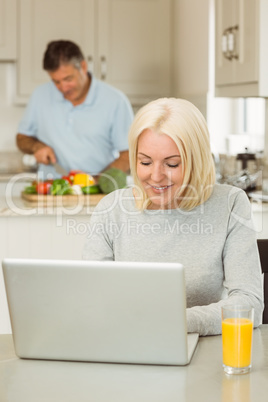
[90,64]
[229,43]
[103,68]
[235,42]
[226,42]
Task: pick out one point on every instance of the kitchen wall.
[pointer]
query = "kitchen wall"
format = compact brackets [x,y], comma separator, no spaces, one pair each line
[192,76]
[190,67]
[191,51]
[10,114]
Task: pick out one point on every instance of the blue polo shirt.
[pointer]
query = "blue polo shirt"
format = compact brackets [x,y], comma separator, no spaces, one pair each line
[87,136]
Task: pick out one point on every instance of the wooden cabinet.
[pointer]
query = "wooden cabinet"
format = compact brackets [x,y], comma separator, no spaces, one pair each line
[241,54]
[126,42]
[8,30]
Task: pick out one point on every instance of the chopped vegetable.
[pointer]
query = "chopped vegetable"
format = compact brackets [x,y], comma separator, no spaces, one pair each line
[60,187]
[72,173]
[67,178]
[30,190]
[83,179]
[43,187]
[112,179]
[76,189]
[82,183]
[68,191]
[94,189]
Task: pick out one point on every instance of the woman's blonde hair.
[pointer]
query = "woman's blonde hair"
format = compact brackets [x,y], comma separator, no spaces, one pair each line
[184,123]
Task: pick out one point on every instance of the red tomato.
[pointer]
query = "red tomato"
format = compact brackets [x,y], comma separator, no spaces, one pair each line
[67,178]
[43,187]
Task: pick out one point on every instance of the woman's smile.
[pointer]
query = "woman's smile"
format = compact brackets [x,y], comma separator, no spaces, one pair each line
[159,168]
[160,188]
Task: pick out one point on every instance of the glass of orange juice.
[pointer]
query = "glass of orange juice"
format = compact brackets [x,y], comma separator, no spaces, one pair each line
[237,330]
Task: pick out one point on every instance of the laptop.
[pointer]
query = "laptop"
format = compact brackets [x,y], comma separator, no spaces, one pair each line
[98,311]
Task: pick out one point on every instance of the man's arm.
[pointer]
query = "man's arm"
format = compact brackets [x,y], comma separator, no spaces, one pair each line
[31,145]
[122,162]
[27,144]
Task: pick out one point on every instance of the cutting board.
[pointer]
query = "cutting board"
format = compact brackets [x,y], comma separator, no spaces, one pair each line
[63,200]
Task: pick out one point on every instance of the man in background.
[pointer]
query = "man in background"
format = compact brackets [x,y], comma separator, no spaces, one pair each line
[75,120]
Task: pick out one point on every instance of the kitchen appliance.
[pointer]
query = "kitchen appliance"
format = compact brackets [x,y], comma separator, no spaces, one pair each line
[245,157]
[246,178]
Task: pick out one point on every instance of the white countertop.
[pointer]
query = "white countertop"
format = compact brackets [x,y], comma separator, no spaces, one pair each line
[11,203]
[14,205]
[202,380]
[258,206]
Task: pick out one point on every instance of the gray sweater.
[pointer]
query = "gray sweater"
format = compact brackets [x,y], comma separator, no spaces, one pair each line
[215,242]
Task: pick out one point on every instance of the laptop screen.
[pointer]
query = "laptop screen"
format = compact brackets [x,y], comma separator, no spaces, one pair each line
[103,311]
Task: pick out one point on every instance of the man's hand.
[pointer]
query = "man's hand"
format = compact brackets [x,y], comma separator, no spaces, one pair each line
[45,155]
[31,145]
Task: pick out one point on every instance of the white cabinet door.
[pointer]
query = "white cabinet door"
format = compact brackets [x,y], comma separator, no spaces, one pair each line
[224,18]
[126,42]
[42,21]
[236,46]
[246,66]
[134,39]
[8,29]
[241,48]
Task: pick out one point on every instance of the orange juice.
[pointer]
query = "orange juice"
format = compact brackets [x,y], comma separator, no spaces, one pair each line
[236,341]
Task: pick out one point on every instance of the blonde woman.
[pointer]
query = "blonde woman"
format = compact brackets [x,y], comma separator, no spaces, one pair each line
[175,212]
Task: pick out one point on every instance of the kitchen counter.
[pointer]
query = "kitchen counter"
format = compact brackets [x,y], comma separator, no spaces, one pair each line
[16,206]
[202,380]
[30,231]
[258,206]
[12,163]
[260,218]
[12,204]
